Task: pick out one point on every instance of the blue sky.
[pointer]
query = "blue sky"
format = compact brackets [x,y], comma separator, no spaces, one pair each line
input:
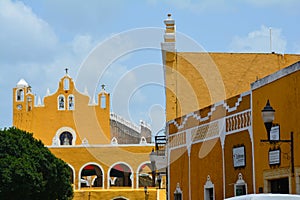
[39,39]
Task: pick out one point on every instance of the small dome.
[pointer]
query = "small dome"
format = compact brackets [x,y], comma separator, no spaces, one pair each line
[22,83]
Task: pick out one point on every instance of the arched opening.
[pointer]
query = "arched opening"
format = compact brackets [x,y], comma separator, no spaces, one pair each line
[66,84]
[103,101]
[29,103]
[71,102]
[120,175]
[144,175]
[65,138]
[20,95]
[61,102]
[72,175]
[91,176]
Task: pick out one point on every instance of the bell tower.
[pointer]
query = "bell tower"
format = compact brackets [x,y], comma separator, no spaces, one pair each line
[23,102]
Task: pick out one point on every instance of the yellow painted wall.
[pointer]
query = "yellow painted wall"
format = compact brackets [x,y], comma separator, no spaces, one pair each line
[196,80]
[90,122]
[179,171]
[111,194]
[106,157]
[210,165]
[231,173]
[284,98]
[206,157]
[200,168]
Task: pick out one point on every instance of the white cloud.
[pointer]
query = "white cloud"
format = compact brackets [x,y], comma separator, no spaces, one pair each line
[30,49]
[23,35]
[259,41]
[70,16]
[82,44]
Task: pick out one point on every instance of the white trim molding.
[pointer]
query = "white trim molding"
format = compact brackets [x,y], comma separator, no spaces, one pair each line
[55,140]
[86,164]
[124,163]
[138,172]
[208,185]
[240,183]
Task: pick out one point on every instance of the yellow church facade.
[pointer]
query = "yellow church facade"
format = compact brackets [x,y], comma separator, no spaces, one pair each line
[218,146]
[78,130]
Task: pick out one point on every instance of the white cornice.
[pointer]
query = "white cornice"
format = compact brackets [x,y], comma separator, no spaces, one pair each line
[275,76]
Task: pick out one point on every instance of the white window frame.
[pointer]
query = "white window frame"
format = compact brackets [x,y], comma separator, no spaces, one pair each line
[58,102]
[73,108]
[22,94]
[56,141]
[240,182]
[208,185]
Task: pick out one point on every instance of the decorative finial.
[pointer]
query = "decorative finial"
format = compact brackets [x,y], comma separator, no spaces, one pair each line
[103,87]
[169,15]
[66,71]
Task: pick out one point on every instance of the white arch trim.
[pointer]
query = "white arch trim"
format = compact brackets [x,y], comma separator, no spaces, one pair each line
[83,166]
[58,97]
[73,169]
[138,172]
[209,185]
[119,197]
[56,141]
[68,102]
[116,163]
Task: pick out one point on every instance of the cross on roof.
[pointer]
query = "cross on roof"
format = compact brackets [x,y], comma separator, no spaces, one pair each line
[66,70]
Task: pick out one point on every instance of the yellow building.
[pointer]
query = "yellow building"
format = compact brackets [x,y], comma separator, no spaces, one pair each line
[277,165]
[214,123]
[195,80]
[79,132]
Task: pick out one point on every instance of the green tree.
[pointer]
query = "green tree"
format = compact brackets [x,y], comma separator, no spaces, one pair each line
[28,170]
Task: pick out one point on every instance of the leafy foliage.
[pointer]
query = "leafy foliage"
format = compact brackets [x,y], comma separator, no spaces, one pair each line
[28,170]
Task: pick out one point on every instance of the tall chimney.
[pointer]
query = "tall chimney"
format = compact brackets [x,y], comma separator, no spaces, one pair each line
[169,36]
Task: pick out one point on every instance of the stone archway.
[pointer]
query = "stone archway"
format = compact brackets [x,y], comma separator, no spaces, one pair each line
[72,175]
[144,175]
[120,175]
[91,175]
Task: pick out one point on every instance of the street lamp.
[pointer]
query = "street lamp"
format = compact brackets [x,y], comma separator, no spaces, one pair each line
[159,180]
[146,192]
[153,168]
[268,114]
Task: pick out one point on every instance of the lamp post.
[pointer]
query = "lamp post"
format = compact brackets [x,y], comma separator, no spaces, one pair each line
[268,114]
[153,168]
[159,180]
[145,189]
[146,192]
